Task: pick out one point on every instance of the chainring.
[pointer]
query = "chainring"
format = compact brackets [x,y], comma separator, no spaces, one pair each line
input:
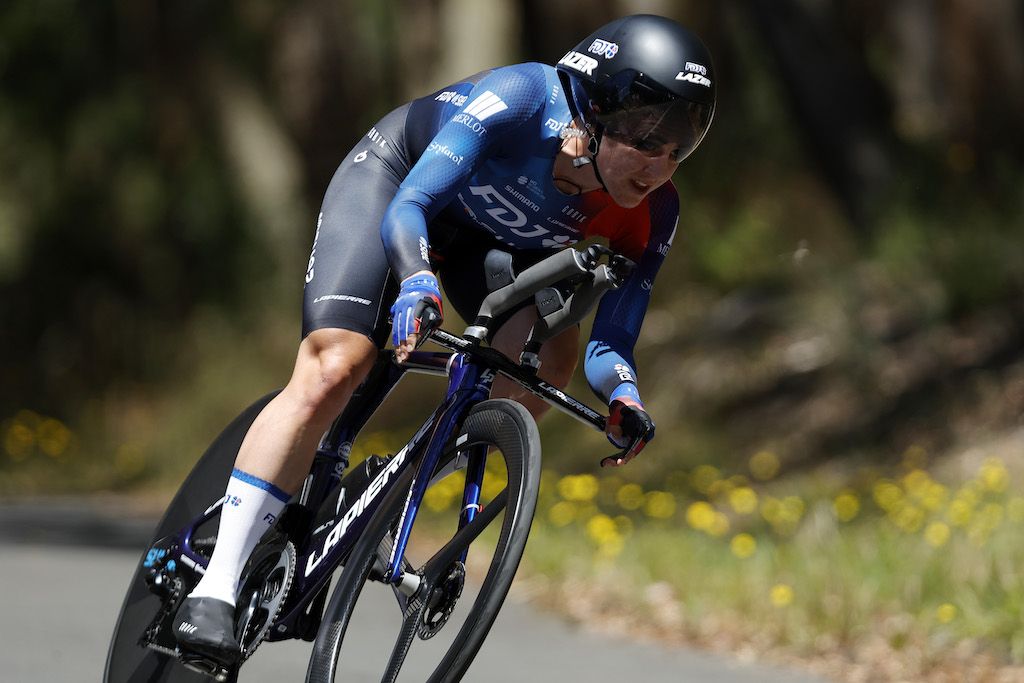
[441,600]
[264,590]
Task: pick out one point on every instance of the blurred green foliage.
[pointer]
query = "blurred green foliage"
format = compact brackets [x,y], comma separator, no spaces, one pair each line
[160,164]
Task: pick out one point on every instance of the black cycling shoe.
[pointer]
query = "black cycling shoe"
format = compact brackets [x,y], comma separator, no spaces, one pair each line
[206,626]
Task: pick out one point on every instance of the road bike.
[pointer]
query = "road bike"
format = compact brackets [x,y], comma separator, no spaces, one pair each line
[361,518]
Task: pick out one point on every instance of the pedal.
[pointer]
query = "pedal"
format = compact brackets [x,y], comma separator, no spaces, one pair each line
[204,665]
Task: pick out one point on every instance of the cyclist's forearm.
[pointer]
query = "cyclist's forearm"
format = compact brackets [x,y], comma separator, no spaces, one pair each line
[610,370]
[404,233]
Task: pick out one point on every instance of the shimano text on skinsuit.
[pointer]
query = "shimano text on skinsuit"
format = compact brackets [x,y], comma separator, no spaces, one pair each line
[357,509]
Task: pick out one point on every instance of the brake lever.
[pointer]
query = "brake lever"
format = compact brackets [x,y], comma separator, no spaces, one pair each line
[429,321]
[620,455]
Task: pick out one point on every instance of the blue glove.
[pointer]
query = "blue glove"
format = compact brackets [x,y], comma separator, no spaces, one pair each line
[417,308]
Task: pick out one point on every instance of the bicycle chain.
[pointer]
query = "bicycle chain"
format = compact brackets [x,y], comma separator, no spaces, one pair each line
[167,609]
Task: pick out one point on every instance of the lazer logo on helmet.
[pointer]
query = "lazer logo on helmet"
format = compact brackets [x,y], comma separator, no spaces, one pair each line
[603,47]
[693,78]
[580,62]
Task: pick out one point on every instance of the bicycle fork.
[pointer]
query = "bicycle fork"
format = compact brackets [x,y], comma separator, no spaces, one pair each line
[468,384]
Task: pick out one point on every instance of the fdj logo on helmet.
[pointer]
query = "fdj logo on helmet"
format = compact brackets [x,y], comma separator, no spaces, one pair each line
[603,47]
[580,62]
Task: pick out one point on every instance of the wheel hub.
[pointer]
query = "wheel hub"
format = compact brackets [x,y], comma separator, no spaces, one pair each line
[441,601]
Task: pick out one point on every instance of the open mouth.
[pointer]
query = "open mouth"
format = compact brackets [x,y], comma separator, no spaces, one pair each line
[640,187]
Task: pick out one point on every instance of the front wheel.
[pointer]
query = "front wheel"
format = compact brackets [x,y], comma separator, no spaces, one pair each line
[439,605]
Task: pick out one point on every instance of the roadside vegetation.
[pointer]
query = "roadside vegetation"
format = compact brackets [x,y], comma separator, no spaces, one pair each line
[834,351]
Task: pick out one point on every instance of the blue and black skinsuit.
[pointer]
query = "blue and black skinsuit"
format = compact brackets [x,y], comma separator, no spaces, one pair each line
[441,180]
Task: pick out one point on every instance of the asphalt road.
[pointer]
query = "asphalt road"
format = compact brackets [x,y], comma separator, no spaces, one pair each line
[64,570]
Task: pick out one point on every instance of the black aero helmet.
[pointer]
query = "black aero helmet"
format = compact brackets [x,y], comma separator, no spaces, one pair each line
[646,81]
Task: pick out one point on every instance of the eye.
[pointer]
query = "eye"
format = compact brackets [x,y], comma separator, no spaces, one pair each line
[645,145]
[676,155]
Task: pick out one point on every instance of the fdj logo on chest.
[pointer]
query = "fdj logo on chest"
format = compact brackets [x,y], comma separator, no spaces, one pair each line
[508,214]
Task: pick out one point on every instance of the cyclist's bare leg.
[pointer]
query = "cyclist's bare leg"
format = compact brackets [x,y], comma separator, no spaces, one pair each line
[280,445]
[273,460]
[558,359]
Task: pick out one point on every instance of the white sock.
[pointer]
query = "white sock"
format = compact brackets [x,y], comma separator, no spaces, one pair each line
[252,506]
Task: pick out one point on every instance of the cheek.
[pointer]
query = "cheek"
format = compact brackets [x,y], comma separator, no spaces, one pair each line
[623,165]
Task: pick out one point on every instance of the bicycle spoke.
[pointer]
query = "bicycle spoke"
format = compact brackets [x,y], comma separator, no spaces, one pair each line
[463,537]
[405,638]
[403,600]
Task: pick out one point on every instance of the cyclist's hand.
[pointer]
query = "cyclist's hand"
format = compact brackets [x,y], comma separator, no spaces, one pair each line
[417,310]
[628,425]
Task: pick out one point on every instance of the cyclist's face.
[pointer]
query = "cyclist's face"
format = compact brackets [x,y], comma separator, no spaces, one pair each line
[633,168]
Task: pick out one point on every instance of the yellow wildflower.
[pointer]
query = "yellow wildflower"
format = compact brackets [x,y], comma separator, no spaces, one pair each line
[960,512]
[660,505]
[578,487]
[993,475]
[908,518]
[934,496]
[719,525]
[743,500]
[53,437]
[562,513]
[846,506]
[781,595]
[703,477]
[630,497]
[916,482]
[946,613]
[764,465]
[700,515]
[18,441]
[601,528]
[937,534]
[887,494]
[743,545]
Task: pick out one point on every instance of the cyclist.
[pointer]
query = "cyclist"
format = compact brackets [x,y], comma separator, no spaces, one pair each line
[527,158]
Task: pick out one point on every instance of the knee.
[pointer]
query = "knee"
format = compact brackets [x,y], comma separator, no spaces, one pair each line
[336,371]
[329,370]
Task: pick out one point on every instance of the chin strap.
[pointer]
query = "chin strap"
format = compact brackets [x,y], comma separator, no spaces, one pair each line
[592,132]
[592,146]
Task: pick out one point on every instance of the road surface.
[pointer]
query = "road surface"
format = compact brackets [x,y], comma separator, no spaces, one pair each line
[64,570]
